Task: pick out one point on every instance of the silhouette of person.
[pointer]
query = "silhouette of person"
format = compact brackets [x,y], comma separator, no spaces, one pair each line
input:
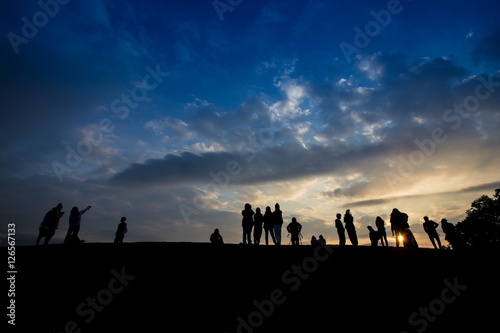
[268,225]
[408,238]
[430,228]
[277,223]
[49,224]
[374,236]
[452,235]
[121,231]
[340,230]
[257,228]
[380,223]
[351,229]
[294,229]
[216,238]
[247,223]
[399,222]
[321,240]
[75,218]
[314,240]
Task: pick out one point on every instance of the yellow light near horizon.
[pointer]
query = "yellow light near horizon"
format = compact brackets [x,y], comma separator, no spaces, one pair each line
[400,238]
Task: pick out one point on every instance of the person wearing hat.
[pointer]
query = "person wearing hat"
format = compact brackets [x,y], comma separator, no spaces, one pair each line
[49,224]
[121,231]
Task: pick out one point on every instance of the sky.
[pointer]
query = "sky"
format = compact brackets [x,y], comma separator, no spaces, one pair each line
[177,113]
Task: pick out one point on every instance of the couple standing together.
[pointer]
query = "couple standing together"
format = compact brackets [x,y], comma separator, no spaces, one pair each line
[272,222]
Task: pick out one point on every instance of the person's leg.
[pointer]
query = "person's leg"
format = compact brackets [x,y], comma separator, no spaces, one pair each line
[439,241]
[40,235]
[48,236]
[277,233]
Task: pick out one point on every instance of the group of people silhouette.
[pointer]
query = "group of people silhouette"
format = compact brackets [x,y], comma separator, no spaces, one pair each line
[272,223]
[50,224]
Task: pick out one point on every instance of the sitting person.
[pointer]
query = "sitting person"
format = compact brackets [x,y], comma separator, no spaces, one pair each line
[374,236]
[216,238]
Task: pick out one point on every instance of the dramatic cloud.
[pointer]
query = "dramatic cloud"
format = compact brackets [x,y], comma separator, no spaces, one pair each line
[163,113]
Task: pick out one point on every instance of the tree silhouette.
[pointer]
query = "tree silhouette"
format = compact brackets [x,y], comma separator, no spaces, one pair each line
[481,226]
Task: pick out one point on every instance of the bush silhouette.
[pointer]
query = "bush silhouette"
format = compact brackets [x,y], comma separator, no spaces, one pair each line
[481,226]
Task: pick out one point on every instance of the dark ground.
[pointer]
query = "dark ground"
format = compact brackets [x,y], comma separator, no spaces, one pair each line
[193,287]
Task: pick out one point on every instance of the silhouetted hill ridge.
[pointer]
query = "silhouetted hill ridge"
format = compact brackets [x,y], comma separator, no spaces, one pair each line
[236,288]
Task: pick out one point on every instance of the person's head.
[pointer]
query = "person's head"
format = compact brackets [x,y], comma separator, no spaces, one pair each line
[320,237]
[257,209]
[444,221]
[216,231]
[294,219]
[339,215]
[277,206]
[268,209]
[426,218]
[123,219]
[59,206]
[248,206]
[348,212]
[395,211]
[74,210]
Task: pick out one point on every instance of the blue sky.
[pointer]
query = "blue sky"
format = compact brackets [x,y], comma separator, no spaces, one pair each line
[166,114]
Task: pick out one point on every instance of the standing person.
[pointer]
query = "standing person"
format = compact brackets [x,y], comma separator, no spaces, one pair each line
[399,223]
[340,230]
[451,234]
[268,225]
[351,229]
[277,223]
[75,218]
[374,236]
[294,229]
[380,223]
[430,228]
[247,223]
[49,224]
[121,231]
[408,238]
[257,228]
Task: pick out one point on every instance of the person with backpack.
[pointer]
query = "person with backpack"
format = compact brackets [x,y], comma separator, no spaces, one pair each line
[49,224]
[351,229]
[121,231]
[268,225]
[340,230]
[75,218]
[294,229]
[247,223]
[430,228]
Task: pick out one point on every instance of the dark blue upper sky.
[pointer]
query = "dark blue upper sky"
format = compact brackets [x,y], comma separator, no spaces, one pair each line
[90,114]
